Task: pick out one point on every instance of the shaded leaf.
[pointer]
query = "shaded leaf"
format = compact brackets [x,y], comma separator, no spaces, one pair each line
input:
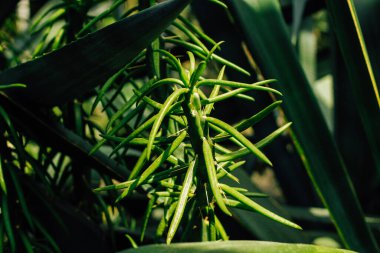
[258,20]
[58,76]
[235,247]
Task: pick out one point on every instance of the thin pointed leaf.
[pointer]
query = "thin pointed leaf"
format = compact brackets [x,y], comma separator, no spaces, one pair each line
[47,236]
[147,214]
[7,223]
[180,209]
[199,52]
[151,179]
[195,30]
[160,117]
[244,124]
[113,78]
[2,181]
[135,133]
[100,16]
[198,73]
[245,200]
[191,36]
[21,199]
[27,244]
[176,64]
[212,178]
[56,136]
[238,136]
[255,86]
[154,166]
[122,123]
[227,95]
[13,85]
[192,62]
[231,168]
[262,143]
[138,166]
[219,227]
[215,91]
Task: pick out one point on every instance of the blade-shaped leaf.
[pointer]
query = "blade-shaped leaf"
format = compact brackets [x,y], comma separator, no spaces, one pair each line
[258,20]
[235,247]
[59,76]
[363,84]
[56,136]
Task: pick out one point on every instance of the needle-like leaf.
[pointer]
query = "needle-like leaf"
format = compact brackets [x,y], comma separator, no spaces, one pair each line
[255,86]
[238,136]
[212,178]
[256,207]
[160,117]
[187,183]
[262,143]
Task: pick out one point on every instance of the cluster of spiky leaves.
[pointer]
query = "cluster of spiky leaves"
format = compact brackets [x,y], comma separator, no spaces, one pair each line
[167,121]
[183,148]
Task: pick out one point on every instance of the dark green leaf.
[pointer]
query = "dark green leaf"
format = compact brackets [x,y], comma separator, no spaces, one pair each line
[258,20]
[59,76]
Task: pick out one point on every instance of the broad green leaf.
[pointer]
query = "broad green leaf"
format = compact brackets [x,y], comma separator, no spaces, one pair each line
[50,78]
[351,42]
[234,247]
[258,20]
[100,16]
[298,7]
[367,11]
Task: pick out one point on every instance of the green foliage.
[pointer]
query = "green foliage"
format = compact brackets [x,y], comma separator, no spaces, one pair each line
[236,246]
[125,117]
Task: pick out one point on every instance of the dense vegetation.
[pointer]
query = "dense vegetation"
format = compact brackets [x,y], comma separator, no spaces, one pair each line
[127,123]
